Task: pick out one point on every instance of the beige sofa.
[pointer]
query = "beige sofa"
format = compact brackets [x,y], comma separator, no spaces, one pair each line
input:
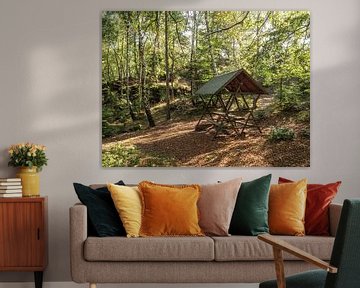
[234,259]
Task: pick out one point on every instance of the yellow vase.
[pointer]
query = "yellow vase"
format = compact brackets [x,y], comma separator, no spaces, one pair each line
[30,181]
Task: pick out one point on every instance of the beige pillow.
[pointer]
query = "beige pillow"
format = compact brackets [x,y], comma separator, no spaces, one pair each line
[216,206]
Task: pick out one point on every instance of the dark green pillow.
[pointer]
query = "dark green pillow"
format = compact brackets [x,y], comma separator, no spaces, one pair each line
[103,218]
[250,216]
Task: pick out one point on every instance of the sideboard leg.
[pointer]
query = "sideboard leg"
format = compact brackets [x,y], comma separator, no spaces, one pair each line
[92,285]
[38,279]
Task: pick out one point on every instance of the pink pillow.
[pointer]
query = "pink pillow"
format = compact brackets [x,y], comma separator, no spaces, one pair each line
[216,206]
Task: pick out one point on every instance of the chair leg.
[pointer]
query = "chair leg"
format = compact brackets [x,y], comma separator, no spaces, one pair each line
[279,267]
[92,285]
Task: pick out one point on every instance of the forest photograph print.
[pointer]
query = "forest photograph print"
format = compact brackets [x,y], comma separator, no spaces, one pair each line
[205,88]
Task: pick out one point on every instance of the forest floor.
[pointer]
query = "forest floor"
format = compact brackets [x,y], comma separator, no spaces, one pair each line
[176,143]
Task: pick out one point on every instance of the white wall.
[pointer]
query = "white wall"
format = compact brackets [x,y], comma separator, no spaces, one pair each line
[50,93]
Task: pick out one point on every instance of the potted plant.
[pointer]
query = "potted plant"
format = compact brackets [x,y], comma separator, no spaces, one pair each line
[30,158]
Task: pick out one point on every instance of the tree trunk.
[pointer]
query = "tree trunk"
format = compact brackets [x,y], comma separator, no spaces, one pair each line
[142,72]
[127,69]
[208,33]
[193,56]
[172,57]
[168,116]
[156,46]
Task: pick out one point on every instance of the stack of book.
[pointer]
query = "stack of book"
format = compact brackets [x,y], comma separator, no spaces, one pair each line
[10,187]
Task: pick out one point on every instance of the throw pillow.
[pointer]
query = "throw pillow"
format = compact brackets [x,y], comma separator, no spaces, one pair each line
[127,201]
[250,215]
[318,200]
[216,206]
[169,210]
[102,215]
[287,204]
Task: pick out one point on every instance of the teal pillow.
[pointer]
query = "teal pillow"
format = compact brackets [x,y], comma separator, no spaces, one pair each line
[250,216]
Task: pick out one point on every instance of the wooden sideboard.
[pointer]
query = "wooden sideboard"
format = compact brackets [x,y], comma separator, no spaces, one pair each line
[23,235]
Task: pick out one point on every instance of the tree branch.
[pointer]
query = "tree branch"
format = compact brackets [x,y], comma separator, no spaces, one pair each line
[231,26]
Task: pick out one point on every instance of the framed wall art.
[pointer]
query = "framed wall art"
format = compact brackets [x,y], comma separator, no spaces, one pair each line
[205,88]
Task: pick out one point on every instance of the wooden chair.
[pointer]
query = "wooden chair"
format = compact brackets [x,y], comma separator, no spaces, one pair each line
[344,268]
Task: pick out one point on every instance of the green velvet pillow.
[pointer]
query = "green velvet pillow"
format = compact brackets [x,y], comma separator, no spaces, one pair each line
[250,216]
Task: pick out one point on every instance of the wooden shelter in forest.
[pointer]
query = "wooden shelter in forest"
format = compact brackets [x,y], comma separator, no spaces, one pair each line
[229,102]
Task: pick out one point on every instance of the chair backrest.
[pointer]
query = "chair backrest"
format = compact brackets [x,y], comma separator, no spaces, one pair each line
[346,251]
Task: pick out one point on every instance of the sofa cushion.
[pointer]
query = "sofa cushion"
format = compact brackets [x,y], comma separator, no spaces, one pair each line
[102,216]
[244,248]
[250,215]
[287,204]
[149,249]
[169,210]
[216,206]
[127,201]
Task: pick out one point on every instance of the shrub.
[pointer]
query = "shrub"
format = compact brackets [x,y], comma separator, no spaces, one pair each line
[120,156]
[109,130]
[303,116]
[281,134]
[260,114]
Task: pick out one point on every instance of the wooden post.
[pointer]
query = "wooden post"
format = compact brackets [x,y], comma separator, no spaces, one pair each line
[279,268]
[92,285]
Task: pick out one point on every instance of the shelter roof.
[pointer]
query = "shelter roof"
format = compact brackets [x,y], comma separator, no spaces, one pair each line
[236,81]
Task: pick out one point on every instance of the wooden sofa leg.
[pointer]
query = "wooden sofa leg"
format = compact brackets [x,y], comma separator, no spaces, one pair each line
[92,285]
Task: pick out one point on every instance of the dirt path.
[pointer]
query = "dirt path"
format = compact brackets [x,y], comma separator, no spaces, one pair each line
[186,147]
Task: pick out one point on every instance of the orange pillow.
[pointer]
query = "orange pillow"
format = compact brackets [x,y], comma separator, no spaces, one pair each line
[287,204]
[169,210]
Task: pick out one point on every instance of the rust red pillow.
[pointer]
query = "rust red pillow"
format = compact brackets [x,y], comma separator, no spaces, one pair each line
[319,197]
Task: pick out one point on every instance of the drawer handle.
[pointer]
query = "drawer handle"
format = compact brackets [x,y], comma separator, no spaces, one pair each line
[38,234]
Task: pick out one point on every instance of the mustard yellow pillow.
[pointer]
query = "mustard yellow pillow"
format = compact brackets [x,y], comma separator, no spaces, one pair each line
[127,201]
[287,204]
[169,210]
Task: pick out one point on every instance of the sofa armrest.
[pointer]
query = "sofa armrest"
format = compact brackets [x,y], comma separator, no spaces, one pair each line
[78,235]
[284,246]
[334,216]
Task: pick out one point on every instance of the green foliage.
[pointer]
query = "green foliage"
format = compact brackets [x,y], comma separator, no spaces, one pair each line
[305,133]
[303,116]
[109,130]
[281,134]
[260,114]
[273,46]
[27,155]
[121,156]
[129,156]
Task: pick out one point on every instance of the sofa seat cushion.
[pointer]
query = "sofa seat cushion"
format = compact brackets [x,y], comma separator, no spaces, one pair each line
[149,249]
[244,248]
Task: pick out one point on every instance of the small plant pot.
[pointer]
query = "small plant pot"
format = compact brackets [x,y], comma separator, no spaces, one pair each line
[30,181]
